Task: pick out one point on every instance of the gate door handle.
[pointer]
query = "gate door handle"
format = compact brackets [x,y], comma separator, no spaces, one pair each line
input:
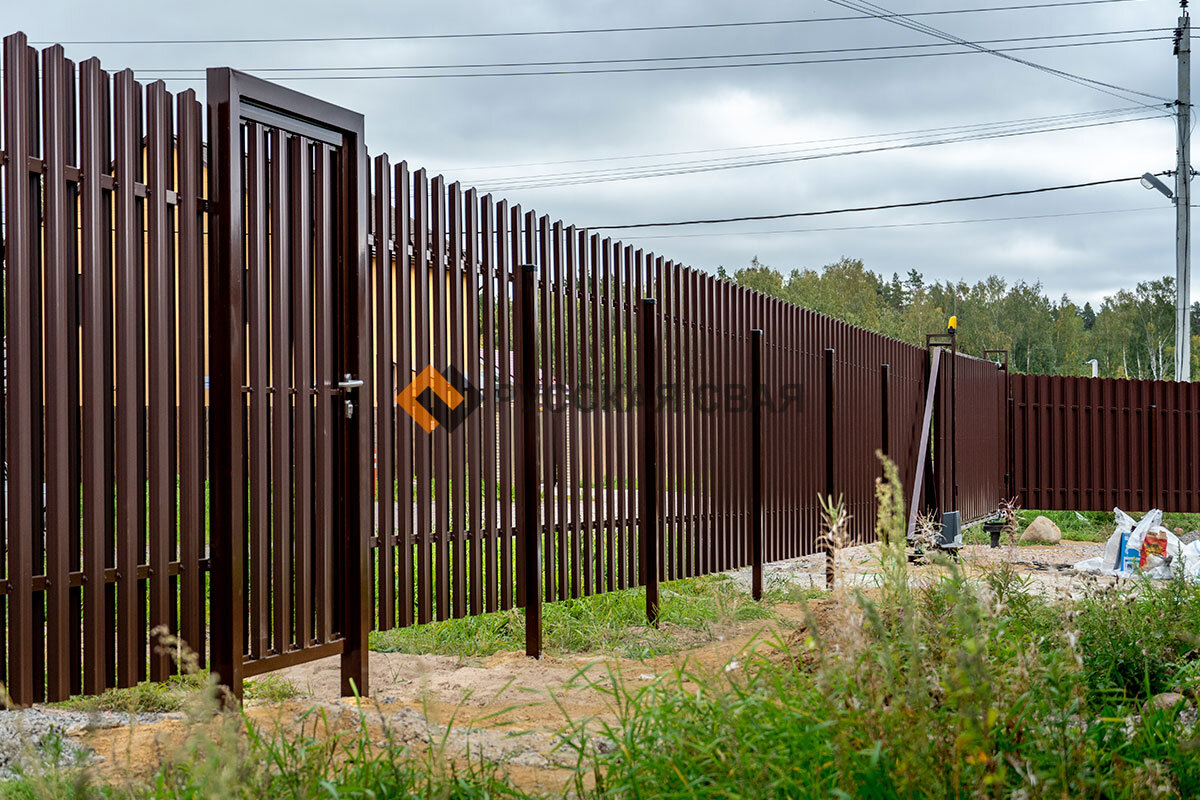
[344,385]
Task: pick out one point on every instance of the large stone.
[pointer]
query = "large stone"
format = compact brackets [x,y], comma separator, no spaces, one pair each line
[1042,531]
[1163,702]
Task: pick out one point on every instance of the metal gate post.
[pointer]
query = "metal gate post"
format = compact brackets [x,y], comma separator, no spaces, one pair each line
[526,457]
[830,375]
[884,387]
[648,345]
[756,449]
[226,344]
[355,484]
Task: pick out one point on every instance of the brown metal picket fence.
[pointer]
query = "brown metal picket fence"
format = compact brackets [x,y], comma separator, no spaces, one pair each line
[1095,444]
[199,430]
[587,290]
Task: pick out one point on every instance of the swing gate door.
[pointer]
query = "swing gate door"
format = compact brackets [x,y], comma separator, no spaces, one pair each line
[291,409]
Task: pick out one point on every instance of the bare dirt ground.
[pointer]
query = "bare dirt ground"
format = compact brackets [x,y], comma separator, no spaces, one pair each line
[510,711]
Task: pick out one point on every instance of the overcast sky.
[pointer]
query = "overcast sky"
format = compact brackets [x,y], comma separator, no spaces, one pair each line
[457,126]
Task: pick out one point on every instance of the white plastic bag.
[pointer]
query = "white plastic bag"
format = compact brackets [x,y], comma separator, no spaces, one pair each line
[1131,554]
[1188,562]
[1123,550]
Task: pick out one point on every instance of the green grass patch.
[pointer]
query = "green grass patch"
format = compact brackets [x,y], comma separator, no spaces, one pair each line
[942,689]
[614,622]
[232,760]
[1140,642]
[173,694]
[1083,526]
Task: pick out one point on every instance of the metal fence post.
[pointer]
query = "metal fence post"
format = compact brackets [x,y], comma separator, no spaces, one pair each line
[1152,449]
[756,459]
[829,460]
[884,385]
[226,344]
[648,473]
[526,458]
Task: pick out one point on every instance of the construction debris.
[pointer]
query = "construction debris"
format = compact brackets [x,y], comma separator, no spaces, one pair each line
[1144,547]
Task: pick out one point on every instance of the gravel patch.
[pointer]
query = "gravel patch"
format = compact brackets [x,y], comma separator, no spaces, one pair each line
[42,737]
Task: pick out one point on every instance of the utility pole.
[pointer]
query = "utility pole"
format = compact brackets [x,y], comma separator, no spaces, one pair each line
[1183,201]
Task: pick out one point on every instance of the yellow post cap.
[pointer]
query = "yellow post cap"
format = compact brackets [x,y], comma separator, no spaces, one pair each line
[953,324]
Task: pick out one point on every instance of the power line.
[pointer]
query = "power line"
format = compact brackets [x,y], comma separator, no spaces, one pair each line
[662,59]
[569,31]
[676,68]
[655,171]
[914,204]
[860,137]
[999,130]
[898,224]
[879,12]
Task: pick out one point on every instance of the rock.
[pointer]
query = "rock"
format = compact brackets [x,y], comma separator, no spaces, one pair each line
[33,738]
[1188,538]
[1162,702]
[1042,531]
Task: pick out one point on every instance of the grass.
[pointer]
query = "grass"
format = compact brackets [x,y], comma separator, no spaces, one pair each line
[614,622]
[1084,526]
[949,686]
[174,694]
[230,759]
[943,689]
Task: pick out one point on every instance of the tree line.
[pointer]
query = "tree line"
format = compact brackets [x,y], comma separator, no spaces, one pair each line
[1131,334]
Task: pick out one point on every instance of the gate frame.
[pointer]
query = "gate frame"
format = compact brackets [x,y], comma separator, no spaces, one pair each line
[234,96]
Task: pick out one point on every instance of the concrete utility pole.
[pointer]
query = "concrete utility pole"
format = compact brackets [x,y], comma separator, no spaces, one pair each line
[1183,202]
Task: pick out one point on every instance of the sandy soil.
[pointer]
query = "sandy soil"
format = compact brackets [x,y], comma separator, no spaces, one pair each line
[510,710]
[504,708]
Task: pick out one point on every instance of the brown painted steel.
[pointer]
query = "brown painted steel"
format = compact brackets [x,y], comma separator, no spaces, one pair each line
[525,356]
[226,347]
[385,391]
[756,463]
[130,374]
[1131,429]
[288,463]
[489,374]
[472,361]
[649,489]
[192,291]
[405,475]
[579,490]
[161,369]
[457,456]
[336,245]
[423,444]
[259,444]
[505,382]
[325,377]
[97,358]
[558,418]
[301,210]
[62,391]
[279,393]
[440,353]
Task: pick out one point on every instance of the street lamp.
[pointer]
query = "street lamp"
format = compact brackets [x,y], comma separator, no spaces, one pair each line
[1183,269]
[1151,182]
